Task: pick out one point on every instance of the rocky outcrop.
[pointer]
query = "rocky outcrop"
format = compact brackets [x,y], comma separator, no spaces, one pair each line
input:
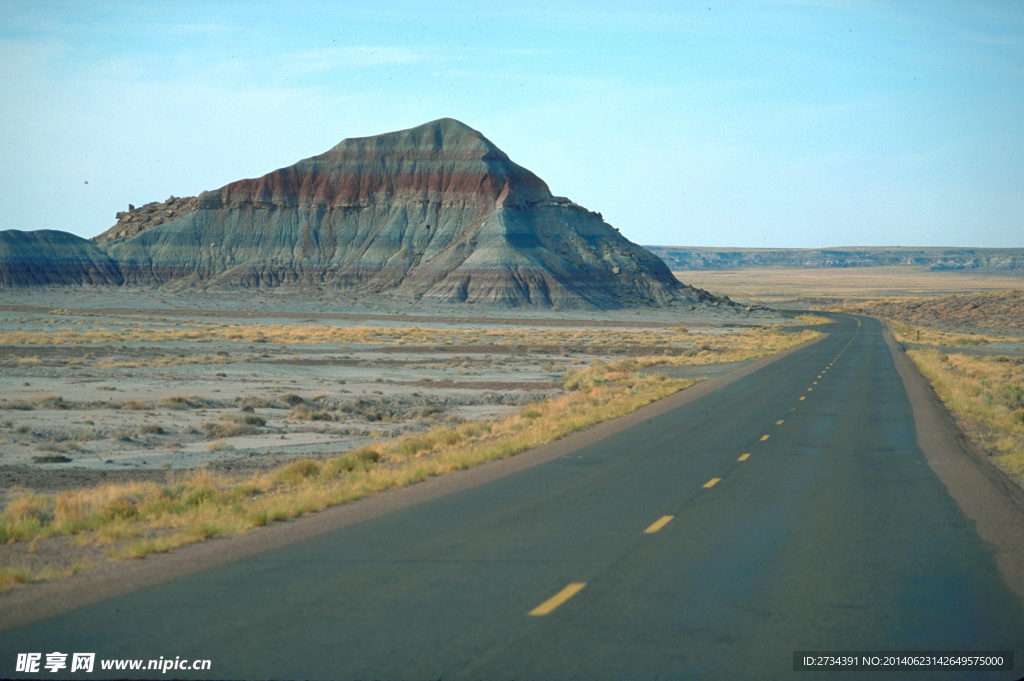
[135,220]
[436,212]
[433,213]
[49,257]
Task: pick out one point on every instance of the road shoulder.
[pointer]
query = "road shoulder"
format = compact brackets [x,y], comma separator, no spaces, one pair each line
[985,494]
[33,602]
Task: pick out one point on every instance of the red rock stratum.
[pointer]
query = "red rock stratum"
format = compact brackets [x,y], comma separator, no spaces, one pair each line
[432,213]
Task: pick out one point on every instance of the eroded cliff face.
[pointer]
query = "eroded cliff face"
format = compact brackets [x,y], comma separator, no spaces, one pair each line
[53,258]
[436,212]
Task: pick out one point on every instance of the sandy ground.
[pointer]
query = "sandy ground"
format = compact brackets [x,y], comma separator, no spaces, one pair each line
[80,413]
[804,287]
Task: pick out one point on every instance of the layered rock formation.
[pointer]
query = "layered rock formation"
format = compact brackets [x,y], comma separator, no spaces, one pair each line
[435,213]
[50,257]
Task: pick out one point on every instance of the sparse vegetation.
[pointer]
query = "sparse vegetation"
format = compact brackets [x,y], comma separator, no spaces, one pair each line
[986,396]
[983,391]
[283,334]
[202,504]
[994,312]
[135,519]
[775,285]
[234,425]
[22,405]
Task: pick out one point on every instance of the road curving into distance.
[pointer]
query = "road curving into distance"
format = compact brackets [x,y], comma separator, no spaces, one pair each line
[789,510]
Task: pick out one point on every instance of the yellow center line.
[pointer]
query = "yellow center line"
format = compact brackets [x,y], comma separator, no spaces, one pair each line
[780,422]
[660,523]
[802,398]
[559,598]
[810,389]
[712,482]
[765,437]
[744,457]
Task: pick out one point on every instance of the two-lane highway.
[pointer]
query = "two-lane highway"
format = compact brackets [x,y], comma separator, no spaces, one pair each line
[790,510]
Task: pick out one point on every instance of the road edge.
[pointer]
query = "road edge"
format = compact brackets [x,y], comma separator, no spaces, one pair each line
[33,602]
[983,491]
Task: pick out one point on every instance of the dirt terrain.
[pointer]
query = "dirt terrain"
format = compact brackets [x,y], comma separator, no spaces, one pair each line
[806,287]
[995,312]
[128,387]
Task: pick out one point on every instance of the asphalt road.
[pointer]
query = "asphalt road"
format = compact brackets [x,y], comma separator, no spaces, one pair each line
[790,510]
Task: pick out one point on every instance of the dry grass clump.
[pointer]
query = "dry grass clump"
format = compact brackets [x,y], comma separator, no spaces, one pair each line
[180,402]
[22,405]
[52,402]
[251,402]
[58,446]
[368,410]
[234,425]
[12,576]
[306,412]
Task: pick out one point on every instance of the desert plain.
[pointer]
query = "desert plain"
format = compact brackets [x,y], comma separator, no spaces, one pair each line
[157,391]
[106,384]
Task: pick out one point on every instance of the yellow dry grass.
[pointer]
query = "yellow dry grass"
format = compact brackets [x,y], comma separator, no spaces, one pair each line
[202,505]
[144,517]
[358,335]
[926,335]
[986,394]
[850,283]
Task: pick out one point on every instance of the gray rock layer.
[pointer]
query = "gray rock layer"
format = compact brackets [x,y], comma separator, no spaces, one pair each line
[434,213]
[49,257]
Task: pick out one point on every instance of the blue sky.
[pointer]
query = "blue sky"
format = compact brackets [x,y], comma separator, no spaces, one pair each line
[801,123]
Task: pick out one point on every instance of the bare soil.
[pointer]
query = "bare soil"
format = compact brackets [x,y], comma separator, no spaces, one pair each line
[995,312]
[789,287]
[79,414]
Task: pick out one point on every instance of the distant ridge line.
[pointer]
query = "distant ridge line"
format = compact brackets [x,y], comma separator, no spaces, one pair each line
[1001,260]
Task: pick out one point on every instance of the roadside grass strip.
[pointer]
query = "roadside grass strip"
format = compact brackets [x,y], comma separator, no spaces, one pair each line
[136,519]
[986,395]
[140,518]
